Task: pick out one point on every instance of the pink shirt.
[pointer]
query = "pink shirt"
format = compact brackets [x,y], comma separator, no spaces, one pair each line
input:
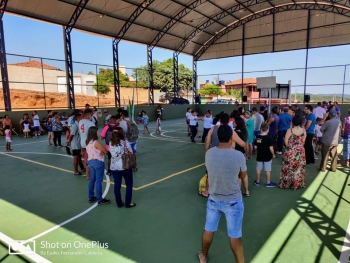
[6,122]
[8,133]
[104,132]
[93,153]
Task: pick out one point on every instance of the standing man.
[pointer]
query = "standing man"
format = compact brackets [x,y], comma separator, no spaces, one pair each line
[273,122]
[258,120]
[36,123]
[319,111]
[75,144]
[330,139]
[225,166]
[337,109]
[263,112]
[84,125]
[292,109]
[107,117]
[283,126]
[310,133]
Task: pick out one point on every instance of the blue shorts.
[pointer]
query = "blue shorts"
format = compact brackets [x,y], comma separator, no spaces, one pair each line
[233,212]
[145,124]
[133,146]
[36,128]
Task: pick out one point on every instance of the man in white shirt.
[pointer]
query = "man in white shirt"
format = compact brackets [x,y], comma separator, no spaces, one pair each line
[319,112]
[193,124]
[36,124]
[107,117]
[258,120]
[84,125]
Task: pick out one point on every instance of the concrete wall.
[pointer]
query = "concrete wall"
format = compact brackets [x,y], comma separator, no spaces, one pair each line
[170,111]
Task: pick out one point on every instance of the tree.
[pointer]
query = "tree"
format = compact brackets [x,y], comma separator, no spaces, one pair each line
[91,73]
[105,79]
[163,76]
[235,92]
[211,89]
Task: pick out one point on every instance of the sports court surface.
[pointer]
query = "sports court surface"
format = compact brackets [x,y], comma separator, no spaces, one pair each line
[38,191]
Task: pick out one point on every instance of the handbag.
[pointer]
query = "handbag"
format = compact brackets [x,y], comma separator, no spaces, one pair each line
[128,159]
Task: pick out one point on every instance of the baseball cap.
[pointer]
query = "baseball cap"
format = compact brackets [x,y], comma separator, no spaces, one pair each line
[332,113]
[248,112]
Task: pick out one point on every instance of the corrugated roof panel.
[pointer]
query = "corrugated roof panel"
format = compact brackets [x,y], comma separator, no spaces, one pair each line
[214,28]
[290,20]
[191,48]
[167,7]
[258,45]
[223,50]
[290,41]
[258,27]
[207,9]
[140,33]
[170,41]
[120,8]
[232,35]
[194,19]
[48,10]
[319,18]
[152,19]
[182,30]
[260,6]
[201,38]
[331,35]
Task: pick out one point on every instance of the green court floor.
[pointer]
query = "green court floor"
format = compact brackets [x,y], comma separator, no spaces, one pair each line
[38,191]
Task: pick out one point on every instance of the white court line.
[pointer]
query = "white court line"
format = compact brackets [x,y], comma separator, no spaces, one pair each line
[75,217]
[345,250]
[33,256]
[36,141]
[59,154]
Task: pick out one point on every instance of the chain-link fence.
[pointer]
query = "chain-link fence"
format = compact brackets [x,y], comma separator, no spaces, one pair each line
[40,83]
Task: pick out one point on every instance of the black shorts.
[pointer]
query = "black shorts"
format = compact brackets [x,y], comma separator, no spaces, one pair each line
[188,122]
[109,155]
[319,140]
[76,152]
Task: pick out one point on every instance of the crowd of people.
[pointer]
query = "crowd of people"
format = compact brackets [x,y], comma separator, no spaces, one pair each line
[231,140]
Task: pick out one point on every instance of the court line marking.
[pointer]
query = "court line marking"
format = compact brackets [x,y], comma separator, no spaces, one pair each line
[345,250]
[108,181]
[74,217]
[161,139]
[23,143]
[170,176]
[34,257]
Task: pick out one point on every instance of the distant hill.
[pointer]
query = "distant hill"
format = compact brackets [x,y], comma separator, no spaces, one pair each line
[322,97]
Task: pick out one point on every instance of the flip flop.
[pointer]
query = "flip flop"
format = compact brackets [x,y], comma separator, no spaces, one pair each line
[78,173]
[201,261]
[201,194]
[247,195]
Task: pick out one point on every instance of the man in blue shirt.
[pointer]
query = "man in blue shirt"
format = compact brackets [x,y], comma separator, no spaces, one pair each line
[310,133]
[283,126]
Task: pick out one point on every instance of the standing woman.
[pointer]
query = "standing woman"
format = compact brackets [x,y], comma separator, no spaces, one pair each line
[242,133]
[96,152]
[117,147]
[345,132]
[208,122]
[6,122]
[56,129]
[294,161]
[250,130]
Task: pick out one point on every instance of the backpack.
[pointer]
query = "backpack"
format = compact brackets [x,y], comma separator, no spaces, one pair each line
[109,133]
[133,131]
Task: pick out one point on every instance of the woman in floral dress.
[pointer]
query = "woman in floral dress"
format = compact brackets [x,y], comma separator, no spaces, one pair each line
[294,162]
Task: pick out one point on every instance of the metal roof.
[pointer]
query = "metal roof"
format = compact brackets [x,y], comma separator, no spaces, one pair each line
[206,29]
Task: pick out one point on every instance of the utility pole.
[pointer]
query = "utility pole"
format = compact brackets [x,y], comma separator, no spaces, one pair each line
[295,96]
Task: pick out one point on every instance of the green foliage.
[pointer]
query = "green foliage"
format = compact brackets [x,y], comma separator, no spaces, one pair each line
[211,89]
[91,73]
[105,79]
[235,92]
[163,76]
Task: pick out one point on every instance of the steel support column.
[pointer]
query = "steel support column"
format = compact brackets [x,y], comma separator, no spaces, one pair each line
[344,78]
[243,51]
[307,50]
[116,72]
[3,61]
[150,76]
[194,88]
[68,52]
[176,75]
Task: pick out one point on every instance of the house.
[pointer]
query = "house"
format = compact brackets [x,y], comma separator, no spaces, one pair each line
[31,75]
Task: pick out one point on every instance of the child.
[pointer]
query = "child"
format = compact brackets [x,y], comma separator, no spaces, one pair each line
[318,134]
[145,122]
[8,136]
[158,124]
[26,129]
[264,145]
[193,124]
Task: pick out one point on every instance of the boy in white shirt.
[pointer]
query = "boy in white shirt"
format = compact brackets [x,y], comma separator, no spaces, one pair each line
[193,124]
[36,124]
[188,114]
[318,134]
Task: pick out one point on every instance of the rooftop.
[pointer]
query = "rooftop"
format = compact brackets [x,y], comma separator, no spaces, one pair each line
[35,64]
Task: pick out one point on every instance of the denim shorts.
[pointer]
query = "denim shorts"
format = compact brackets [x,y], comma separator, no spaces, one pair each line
[233,212]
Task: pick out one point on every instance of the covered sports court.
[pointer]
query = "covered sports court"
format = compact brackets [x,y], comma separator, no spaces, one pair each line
[42,203]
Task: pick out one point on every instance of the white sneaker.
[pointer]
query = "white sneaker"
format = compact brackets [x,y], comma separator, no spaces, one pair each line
[278,152]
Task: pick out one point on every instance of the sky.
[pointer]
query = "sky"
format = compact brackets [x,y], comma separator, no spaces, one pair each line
[35,38]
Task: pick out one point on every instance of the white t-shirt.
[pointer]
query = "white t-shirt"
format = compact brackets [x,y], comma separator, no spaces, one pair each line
[70,121]
[229,124]
[36,121]
[84,126]
[319,112]
[188,115]
[208,121]
[318,130]
[192,121]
